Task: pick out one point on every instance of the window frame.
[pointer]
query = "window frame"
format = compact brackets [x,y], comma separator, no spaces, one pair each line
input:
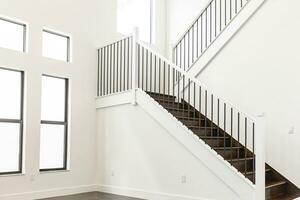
[17,121]
[64,123]
[24,32]
[151,22]
[68,58]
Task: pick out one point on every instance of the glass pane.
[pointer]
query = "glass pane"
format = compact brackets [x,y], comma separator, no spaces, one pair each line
[9,147]
[53,98]
[11,35]
[10,90]
[52,146]
[55,46]
[134,13]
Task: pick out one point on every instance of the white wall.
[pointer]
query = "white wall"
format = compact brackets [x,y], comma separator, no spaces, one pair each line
[180,15]
[137,154]
[89,24]
[259,72]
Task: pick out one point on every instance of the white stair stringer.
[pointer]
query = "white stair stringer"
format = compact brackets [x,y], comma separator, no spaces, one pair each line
[229,175]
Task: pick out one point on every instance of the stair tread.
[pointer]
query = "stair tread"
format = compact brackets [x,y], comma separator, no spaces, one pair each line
[286,197]
[240,159]
[252,172]
[214,137]
[278,188]
[228,148]
[271,184]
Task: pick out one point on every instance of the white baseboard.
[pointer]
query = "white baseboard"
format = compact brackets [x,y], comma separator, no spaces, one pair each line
[50,193]
[144,194]
[130,192]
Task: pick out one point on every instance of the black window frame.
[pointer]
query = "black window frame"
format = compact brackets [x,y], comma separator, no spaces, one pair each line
[24,32]
[65,123]
[19,121]
[68,58]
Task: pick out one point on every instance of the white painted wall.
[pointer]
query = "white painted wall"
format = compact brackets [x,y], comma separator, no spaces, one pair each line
[259,72]
[180,15]
[89,24]
[136,154]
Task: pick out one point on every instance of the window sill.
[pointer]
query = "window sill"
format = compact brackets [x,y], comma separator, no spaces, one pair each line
[11,175]
[55,171]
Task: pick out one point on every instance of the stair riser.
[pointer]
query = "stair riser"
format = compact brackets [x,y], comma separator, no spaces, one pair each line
[218,142]
[207,132]
[231,154]
[194,123]
[276,191]
[243,166]
[183,113]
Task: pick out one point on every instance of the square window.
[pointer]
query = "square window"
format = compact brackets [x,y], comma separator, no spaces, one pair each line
[12,35]
[56,46]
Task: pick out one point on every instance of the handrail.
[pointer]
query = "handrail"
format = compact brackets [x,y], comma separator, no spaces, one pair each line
[191,24]
[204,30]
[115,41]
[192,78]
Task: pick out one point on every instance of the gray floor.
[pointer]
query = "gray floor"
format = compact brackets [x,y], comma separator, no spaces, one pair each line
[93,196]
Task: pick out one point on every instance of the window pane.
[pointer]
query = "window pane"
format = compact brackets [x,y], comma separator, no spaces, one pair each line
[55,46]
[11,35]
[134,13]
[53,98]
[9,147]
[10,90]
[52,146]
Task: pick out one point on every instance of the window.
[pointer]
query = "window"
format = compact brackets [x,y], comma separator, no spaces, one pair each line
[54,124]
[11,121]
[136,13]
[56,46]
[12,35]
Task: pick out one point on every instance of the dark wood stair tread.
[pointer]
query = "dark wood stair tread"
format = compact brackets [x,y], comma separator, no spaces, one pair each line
[277,186]
[271,184]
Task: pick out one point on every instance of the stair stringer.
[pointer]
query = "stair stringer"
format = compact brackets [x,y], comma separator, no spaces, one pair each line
[227,34]
[241,186]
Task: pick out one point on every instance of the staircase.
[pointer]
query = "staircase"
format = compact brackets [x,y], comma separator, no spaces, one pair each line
[128,64]
[277,187]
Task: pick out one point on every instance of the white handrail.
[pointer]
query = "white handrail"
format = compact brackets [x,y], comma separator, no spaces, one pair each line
[115,41]
[192,78]
[192,24]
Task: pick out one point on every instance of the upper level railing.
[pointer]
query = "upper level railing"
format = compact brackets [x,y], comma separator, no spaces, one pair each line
[129,65]
[212,21]
[115,67]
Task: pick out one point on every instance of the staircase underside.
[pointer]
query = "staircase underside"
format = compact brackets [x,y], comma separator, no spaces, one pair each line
[277,186]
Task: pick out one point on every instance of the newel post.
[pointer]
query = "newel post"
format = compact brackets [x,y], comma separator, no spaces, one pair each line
[260,152]
[135,38]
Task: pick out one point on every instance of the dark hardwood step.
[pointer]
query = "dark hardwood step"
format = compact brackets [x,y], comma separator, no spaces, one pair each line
[231,153]
[243,164]
[250,174]
[217,141]
[154,94]
[277,186]
[182,113]
[275,189]
[194,123]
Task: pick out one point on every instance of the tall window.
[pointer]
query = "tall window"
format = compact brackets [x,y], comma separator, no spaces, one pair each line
[136,13]
[54,124]
[12,35]
[11,121]
[56,46]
